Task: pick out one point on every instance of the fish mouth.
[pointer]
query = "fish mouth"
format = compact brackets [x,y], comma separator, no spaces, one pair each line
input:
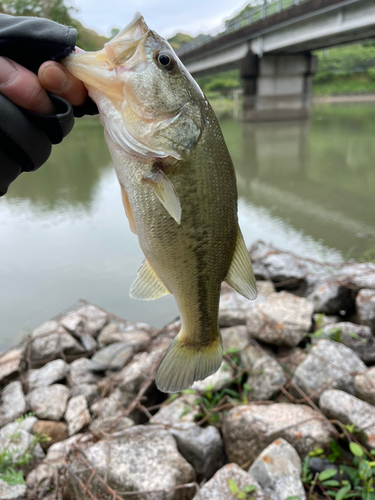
[100,69]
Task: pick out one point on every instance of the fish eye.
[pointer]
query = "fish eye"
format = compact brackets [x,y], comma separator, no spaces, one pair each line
[165,61]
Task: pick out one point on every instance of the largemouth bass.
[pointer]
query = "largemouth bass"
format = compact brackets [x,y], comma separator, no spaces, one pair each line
[178,189]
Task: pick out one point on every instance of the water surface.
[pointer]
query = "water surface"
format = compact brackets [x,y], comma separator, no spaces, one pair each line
[308,187]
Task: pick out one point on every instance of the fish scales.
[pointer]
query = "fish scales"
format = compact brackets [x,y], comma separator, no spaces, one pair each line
[178,187]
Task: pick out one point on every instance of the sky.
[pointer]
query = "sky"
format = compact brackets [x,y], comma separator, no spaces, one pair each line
[166,17]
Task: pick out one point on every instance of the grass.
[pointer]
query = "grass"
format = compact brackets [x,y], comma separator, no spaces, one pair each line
[345,85]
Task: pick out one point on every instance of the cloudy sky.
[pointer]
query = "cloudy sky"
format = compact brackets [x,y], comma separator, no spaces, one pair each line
[166,17]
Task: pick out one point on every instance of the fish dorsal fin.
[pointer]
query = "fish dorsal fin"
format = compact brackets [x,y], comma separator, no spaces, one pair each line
[166,193]
[128,210]
[240,275]
[147,285]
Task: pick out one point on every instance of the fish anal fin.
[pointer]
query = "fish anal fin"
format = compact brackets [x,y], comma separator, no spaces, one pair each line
[183,364]
[166,192]
[128,210]
[147,285]
[240,275]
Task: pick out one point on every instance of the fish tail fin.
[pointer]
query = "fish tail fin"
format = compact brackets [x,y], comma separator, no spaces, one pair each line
[183,363]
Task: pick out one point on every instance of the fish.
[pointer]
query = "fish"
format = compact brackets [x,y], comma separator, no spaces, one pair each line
[178,189]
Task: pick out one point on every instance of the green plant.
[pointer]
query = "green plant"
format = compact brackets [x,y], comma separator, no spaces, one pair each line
[244,494]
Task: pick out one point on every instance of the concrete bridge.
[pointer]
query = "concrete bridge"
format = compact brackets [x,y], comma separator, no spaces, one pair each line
[272,46]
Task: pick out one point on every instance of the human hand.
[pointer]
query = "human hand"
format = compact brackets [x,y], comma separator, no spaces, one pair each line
[24,89]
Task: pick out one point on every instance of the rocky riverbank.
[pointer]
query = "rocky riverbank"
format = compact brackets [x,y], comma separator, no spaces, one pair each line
[296,375]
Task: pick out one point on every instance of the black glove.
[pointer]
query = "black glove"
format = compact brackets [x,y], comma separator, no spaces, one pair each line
[26,138]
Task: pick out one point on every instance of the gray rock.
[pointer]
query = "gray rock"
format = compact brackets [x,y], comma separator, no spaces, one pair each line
[329,364]
[52,372]
[94,317]
[247,430]
[264,379]
[50,340]
[358,338]
[49,403]
[282,320]
[39,480]
[13,403]
[112,357]
[138,451]
[220,379]
[350,410]
[134,334]
[77,414]
[89,391]
[10,363]
[217,488]
[358,275]
[110,406]
[364,385]
[81,372]
[202,447]
[321,320]
[8,491]
[58,452]
[235,337]
[77,325]
[88,342]
[330,298]
[16,437]
[278,471]
[365,305]
[182,409]
[251,354]
[111,424]
[290,358]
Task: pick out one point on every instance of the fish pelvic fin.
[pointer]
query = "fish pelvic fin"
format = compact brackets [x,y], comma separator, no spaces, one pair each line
[147,285]
[184,363]
[240,275]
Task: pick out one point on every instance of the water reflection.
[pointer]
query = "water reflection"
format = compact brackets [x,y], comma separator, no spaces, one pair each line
[308,187]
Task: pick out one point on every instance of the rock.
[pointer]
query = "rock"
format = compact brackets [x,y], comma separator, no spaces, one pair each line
[81,372]
[8,491]
[134,334]
[358,338]
[182,409]
[247,430]
[364,385]
[77,325]
[16,438]
[52,372]
[49,403]
[264,379]
[10,363]
[328,364]
[94,317]
[201,447]
[271,263]
[282,319]
[330,298]
[350,411]
[290,358]
[217,488]
[77,414]
[50,340]
[358,275]
[112,357]
[58,452]
[110,406]
[321,320]
[234,308]
[278,471]
[89,391]
[235,337]
[111,424]
[365,305]
[13,403]
[138,451]
[220,379]
[56,431]
[39,480]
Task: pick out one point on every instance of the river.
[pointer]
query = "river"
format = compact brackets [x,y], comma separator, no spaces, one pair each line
[308,187]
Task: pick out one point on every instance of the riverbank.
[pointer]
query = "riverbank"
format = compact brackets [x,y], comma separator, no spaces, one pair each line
[296,377]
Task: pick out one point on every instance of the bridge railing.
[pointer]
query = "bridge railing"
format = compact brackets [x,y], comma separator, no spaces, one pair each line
[246,19]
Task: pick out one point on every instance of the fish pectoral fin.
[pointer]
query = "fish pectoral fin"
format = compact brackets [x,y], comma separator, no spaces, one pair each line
[165,191]
[147,285]
[184,363]
[240,275]
[128,210]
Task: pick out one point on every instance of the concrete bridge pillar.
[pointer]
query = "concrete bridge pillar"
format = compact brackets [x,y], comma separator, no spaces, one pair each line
[277,87]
